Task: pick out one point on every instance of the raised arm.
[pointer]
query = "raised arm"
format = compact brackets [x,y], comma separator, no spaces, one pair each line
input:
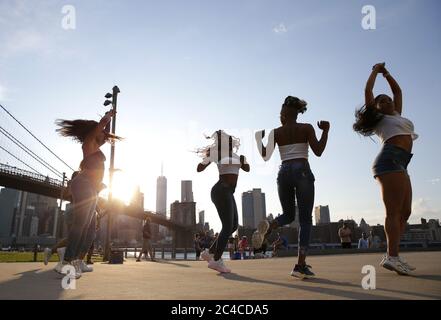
[396,90]
[318,146]
[265,152]
[104,121]
[369,89]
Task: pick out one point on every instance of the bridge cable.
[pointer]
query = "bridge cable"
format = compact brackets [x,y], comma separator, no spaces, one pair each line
[30,152]
[21,161]
[36,137]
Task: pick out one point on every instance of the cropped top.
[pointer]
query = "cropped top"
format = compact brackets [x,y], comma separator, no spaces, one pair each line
[394,125]
[294,151]
[227,165]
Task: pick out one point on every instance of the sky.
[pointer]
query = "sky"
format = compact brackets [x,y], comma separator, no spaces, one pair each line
[188,68]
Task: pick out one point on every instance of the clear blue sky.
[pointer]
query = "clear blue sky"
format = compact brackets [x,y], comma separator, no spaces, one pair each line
[190,67]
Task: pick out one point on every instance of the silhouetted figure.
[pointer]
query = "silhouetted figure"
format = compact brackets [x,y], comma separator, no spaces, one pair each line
[222,152]
[381,115]
[295,179]
[85,186]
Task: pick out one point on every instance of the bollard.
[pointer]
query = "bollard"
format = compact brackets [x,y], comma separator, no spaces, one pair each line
[125,253]
[35,253]
[185,253]
[134,253]
[162,253]
[173,253]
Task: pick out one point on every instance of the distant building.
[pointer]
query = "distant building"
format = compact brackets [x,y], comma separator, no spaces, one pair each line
[253,208]
[183,213]
[186,191]
[161,199]
[201,217]
[9,203]
[322,215]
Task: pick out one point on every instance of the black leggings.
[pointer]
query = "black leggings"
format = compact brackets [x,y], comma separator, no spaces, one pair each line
[222,196]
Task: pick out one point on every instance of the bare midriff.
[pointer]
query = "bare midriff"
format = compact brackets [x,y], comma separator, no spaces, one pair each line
[403,141]
[299,160]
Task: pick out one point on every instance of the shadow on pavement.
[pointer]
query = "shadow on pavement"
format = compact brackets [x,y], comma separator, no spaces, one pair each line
[35,284]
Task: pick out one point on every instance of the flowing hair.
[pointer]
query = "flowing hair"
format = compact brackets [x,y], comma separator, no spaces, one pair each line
[367,118]
[80,129]
[218,138]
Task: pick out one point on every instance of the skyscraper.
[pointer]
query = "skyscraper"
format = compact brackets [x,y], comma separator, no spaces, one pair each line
[9,202]
[186,191]
[161,194]
[253,208]
[161,199]
[322,215]
[201,217]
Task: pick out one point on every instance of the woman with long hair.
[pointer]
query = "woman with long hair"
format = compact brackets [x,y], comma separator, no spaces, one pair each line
[223,153]
[381,115]
[295,179]
[85,187]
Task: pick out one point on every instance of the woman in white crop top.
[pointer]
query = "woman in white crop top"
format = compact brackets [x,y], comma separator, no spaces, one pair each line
[295,180]
[381,115]
[229,163]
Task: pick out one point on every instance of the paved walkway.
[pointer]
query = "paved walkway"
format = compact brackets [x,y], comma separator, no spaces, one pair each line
[338,277]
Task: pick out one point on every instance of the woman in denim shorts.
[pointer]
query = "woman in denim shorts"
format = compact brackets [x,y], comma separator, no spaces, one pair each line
[381,115]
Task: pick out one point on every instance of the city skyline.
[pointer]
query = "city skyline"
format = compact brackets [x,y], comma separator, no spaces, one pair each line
[227,72]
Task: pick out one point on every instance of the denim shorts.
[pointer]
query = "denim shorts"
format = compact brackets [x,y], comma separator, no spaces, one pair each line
[391,159]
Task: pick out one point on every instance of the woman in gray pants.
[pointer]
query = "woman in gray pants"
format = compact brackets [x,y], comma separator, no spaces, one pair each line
[222,193]
[85,187]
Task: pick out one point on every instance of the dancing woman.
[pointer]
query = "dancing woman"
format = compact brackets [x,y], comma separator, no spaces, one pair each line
[381,115]
[295,179]
[222,194]
[85,186]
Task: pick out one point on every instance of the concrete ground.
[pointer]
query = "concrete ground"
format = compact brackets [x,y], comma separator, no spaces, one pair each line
[338,277]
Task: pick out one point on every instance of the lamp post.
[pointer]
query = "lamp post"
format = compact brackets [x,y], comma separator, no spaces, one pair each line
[114,96]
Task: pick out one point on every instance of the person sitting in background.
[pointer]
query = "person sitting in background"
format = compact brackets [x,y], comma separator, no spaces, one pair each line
[280,244]
[345,236]
[363,243]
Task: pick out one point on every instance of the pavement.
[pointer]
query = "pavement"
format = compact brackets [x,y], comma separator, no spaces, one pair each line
[338,277]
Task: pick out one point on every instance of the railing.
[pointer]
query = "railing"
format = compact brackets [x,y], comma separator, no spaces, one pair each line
[7,169]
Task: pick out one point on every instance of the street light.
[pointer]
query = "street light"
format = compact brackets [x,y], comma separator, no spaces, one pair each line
[114,97]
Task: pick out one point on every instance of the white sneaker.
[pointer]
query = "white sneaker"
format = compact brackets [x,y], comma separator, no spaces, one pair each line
[218,266]
[61,252]
[84,267]
[47,256]
[408,266]
[394,264]
[206,255]
[62,268]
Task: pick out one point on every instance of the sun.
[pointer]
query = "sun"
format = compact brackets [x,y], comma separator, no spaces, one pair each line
[123,188]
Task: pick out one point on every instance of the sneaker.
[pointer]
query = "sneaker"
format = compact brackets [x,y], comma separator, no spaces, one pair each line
[61,252]
[260,234]
[89,262]
[302,272]
[408,266]
[218,266]
[394,264]
[47,256]
[84,267]
[206,255]
[61,269]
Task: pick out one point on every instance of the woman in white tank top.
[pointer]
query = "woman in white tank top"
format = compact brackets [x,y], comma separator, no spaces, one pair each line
[229,163]
[295,179]
[382,116]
